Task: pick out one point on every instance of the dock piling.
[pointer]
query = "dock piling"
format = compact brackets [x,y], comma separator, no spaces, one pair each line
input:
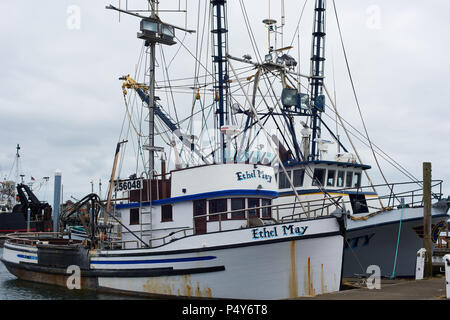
[427,242]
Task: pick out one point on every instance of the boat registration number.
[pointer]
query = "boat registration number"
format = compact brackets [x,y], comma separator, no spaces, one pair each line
[128,185]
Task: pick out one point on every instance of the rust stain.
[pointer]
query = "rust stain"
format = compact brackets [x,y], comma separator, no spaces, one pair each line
[293,288]
[158,286]
[178,286]
[198,292]
[308,283]
[208,293]
[188,291]
[187,286]
[322,285]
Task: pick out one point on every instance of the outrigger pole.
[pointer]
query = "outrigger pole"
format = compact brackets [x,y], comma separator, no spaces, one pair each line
[111,183]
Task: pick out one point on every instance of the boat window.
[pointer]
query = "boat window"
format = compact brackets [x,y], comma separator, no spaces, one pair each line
[166,213]
[359,203]
[199,218]
[357,179]
[215,206]
[266,212]
[252,203]
[298,176]
[134,216]
[331,177]
[348,179]
[340,179]
[319,177]
[283,181]
[236,204]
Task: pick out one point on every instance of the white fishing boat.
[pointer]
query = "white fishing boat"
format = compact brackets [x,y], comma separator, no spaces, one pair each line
[210,230]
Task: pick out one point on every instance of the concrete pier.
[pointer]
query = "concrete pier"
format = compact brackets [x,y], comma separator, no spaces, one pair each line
[403,289]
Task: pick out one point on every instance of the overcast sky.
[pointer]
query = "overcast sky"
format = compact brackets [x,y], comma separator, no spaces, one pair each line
[61,100]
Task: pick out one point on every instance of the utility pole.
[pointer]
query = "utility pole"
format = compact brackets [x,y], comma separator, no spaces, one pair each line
[428,272]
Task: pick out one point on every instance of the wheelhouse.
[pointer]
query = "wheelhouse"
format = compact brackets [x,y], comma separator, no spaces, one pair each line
[312,179]
[197,200]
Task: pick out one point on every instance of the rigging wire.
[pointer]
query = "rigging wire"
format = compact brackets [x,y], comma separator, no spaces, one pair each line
[356,98]
[381,153]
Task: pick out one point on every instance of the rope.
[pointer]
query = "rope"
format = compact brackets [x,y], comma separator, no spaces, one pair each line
[129,117]
[398,239]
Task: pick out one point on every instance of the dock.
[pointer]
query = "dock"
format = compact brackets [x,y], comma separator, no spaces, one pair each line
[397,289]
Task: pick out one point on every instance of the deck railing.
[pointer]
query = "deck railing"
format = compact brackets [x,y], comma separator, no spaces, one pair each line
[314,209]
[301,210]
[34,238]
[396,191]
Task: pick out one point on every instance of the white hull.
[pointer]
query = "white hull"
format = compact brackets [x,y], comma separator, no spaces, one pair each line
[253,263]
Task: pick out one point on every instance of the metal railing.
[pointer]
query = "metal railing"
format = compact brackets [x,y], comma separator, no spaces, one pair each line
[412,197]
[314,208]
[164,239]
[34,238]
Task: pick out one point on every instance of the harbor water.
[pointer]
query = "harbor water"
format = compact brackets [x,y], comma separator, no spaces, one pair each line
[12,288]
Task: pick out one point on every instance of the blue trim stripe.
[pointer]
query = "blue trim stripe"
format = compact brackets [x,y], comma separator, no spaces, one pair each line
[27,257]
[205,258]
[198,196]
[310,191]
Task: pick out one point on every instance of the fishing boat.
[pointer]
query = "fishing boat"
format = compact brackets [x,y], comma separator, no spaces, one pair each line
[20,209]
[209,230]
[383,229]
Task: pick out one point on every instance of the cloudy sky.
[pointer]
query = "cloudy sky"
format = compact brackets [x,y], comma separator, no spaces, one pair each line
[61,100]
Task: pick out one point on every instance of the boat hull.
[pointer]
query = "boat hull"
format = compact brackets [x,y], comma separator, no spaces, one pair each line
[17,222]
[374,242]
[275,267]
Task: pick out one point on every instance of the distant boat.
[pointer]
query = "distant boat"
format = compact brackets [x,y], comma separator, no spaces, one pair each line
[17,201]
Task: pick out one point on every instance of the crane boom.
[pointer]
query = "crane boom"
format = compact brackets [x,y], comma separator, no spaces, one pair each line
[141,90]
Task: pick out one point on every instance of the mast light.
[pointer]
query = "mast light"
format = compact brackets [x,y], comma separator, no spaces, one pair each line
[154,31]
[292,98]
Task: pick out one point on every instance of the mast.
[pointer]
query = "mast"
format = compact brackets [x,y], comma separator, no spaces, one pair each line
[317,76]
[153,31]
[17,163]
[219,32]
[17,173]
[151,105]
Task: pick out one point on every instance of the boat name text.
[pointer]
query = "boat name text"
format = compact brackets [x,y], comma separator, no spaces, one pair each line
[278,231]
[253,174]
